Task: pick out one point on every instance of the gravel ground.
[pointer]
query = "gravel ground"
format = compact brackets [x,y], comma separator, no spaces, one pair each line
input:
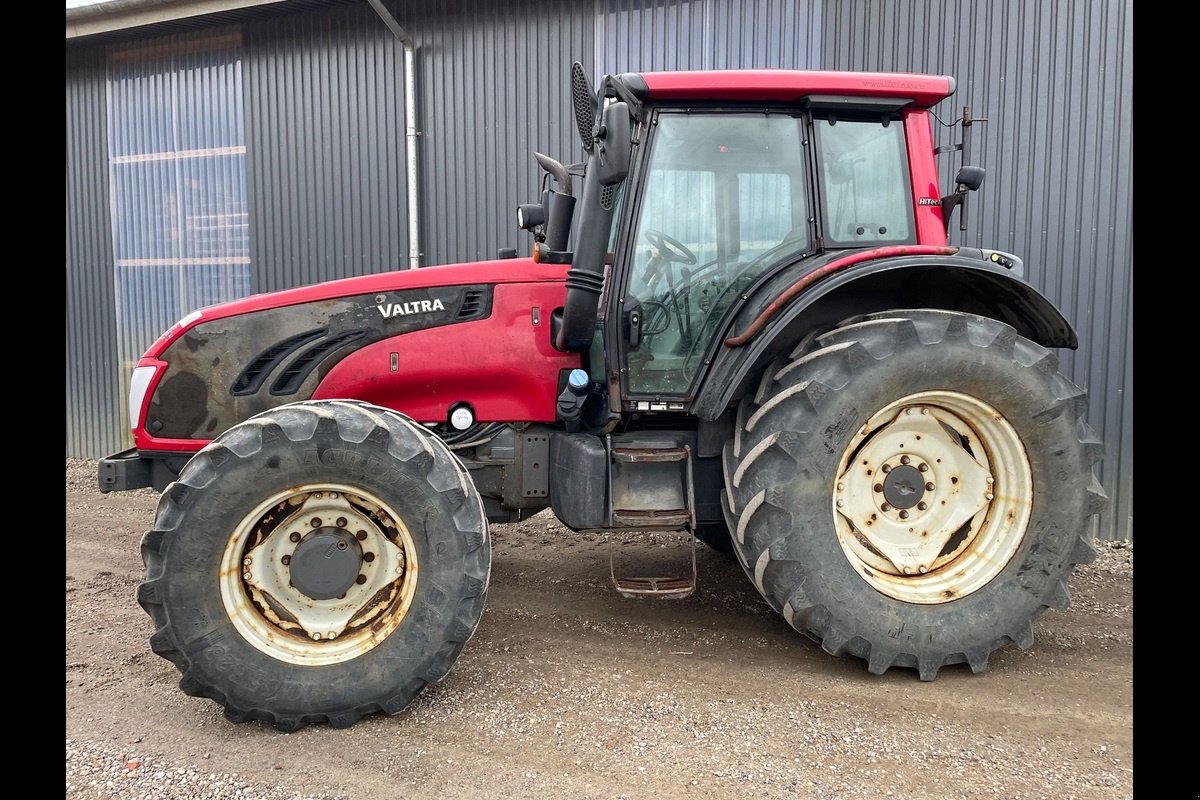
[568,690]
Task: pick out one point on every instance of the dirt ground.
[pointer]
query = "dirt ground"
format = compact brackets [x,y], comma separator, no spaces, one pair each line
[569,690]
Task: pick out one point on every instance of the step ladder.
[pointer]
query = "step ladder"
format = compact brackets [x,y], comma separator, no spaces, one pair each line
[651,492]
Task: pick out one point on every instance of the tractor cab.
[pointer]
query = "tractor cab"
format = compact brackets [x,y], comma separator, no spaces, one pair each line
[712,199]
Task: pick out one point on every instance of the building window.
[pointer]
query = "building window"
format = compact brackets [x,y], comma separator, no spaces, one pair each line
[177,150]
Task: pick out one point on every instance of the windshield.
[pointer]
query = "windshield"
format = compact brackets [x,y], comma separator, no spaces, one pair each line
[724,200]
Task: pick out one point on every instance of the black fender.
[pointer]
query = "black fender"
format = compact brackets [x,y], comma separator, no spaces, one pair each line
[764,327]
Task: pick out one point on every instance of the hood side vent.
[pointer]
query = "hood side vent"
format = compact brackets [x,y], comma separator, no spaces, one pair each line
[251,379]
[472,305]
[293,377]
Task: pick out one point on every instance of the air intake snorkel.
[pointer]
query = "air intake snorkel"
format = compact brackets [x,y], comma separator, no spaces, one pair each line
[606,139]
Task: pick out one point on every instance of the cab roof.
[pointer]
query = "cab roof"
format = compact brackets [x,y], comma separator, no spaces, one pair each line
[785,85]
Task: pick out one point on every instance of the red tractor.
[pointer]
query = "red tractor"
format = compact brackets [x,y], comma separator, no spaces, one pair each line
[741,321]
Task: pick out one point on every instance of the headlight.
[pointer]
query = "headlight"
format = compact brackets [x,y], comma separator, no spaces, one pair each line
[138,386]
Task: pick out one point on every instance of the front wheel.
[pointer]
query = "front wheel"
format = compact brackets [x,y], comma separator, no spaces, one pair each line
[316,563]
[914,488]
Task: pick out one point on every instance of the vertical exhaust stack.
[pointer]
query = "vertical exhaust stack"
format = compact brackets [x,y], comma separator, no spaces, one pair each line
[559,204]
[607,143]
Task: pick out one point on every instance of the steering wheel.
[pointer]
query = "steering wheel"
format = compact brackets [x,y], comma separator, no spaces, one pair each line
[737,284]
[670,248]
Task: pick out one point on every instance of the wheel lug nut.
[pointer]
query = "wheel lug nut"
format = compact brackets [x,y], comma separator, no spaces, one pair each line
[840,502]
[921,506]
[879,487]
[908,570]
[316,522]
[341,522]
[923,570]
[905,459]
[990,479]
[361,536]
[989,496]
[924,410]
[286,560]
[841,487]
[929,486]
[246,575]
[368,557]
[331,635]
[295,537]
[886,507]
[903,515]
[361,579]
[886,468]
[923,467]
[316,637]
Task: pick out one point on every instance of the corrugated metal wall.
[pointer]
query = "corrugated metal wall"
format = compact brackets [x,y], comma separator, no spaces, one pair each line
[325,97]
[95,422]
[645,35]
[1055,82]
[494,86]
[325,147]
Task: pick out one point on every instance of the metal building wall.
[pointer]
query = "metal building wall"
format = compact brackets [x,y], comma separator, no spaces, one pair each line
[494,86]
[93,390]
[1054,80]
[324,95]
[645,35]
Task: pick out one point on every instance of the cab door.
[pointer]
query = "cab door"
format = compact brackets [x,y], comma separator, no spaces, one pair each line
[723,196]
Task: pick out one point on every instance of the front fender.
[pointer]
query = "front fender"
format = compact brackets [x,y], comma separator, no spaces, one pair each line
[949,282]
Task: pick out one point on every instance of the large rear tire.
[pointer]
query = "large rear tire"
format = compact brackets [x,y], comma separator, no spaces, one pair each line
[321,561]
[914,488]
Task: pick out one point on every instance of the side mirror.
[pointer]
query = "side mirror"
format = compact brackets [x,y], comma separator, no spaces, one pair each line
[613,145]
[967,180]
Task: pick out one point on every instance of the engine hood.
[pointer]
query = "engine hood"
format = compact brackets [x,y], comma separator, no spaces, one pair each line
[508,270]
[224,363]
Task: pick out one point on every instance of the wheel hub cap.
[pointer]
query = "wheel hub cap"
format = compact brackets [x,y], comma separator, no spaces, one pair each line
[903,487]
[326,563]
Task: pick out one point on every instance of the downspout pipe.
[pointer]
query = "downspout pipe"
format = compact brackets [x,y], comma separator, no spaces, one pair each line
[410,126]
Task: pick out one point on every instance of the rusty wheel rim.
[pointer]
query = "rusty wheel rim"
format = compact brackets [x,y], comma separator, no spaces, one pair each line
[318,574]
[933,497]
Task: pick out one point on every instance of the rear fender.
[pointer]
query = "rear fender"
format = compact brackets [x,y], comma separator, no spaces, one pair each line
[950,282]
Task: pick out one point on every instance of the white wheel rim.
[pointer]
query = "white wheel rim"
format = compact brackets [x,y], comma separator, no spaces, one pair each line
[287,624]
[933,497]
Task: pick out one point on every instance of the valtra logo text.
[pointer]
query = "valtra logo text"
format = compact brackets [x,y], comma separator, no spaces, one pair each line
[413,307]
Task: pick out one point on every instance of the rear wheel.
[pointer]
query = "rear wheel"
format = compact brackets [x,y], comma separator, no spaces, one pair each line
[914,488]
[318,562]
